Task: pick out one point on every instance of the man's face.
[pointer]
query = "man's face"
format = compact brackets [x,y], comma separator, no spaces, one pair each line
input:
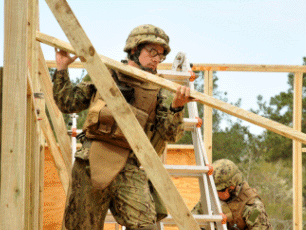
[151,55]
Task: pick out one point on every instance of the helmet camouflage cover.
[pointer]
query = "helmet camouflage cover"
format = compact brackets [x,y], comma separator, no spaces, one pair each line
[226,174]
[147,34]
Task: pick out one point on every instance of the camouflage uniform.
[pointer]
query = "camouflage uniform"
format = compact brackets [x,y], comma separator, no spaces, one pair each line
[130,196]
[227,174]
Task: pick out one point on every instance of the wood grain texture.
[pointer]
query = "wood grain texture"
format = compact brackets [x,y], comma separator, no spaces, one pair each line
[208,117]
[56,115]
[14,110]
[297,154]
[239,67]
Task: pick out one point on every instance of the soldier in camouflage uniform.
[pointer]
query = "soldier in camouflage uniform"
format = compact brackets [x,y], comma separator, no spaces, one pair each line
[240,203]
[106,173]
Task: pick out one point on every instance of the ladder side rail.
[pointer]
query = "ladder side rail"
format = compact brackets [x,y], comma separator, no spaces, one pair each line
[207,179]
[211,185]
[203,183]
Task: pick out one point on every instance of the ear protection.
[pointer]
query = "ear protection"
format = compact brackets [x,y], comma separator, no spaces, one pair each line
[225,193]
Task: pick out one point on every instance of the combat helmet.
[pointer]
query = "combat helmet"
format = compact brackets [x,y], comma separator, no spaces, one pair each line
[226,174]
[147,34]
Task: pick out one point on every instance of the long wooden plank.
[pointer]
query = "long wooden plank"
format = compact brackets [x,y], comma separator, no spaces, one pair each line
[123,115]
[297,154]
[35,135]
[55,114]
[13,145]
[208,117]
[240,67]
[203,98]
[61,167]
[51,141]
[215,67]
[1,90]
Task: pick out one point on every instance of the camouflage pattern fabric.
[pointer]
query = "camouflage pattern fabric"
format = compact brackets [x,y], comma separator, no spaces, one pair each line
[226,174]
[128,196]
[254,214]
[147,34]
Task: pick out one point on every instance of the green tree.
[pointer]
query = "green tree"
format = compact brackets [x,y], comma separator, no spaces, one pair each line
[280,109]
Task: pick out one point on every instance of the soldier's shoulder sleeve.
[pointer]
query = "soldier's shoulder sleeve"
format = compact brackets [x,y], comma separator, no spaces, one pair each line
[255,215]
[68,97]
[168,123]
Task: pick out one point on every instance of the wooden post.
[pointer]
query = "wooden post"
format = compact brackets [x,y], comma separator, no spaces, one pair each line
[14,109]
[123,115]
[34,134]
[1,78]
[208,89]
[297,153]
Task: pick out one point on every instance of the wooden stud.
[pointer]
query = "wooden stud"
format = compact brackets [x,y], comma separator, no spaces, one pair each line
[55,114]
[207,131]
[61,167]
[1,91]
[13,146]
[34,134]
[123,115]
[297,154]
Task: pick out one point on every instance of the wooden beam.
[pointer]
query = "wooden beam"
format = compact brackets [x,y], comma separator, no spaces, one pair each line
[61,168]
[210,67]
[203,98]
[55,114]
[297,154]
[33,193]
[13,145]
[123,115]
[34,133]
[208,119]
[240,67]
[1,92]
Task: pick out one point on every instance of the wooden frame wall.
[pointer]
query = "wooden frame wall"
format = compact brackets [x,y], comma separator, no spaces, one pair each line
[20,149]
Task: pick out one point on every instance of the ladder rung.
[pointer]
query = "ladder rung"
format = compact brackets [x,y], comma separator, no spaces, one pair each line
[70,131]
[202,220]
[190,123]
[186,170]
[178,146]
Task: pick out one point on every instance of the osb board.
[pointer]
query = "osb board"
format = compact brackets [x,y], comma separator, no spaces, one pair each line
[54,196]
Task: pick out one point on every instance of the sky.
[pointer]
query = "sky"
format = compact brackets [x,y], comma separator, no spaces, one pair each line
[212,31]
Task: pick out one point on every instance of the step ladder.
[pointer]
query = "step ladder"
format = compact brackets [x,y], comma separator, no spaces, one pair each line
[213,218]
